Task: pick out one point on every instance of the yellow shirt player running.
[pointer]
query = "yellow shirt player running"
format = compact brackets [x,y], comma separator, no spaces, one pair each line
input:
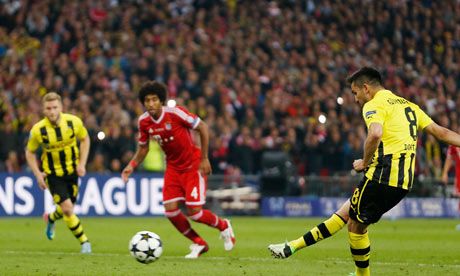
[62,162]
[388,166]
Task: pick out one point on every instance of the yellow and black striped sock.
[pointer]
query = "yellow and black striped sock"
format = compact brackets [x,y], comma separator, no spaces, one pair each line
[56,215]
[360,247]
[73,223]
[322,231]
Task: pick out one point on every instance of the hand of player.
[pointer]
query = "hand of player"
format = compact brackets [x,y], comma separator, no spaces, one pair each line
[358,165]
[41,181]
[444,179]
[81,170]
[205,167]
[126,173]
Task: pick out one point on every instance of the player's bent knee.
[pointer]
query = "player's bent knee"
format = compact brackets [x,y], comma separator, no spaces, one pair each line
[171,206]
[195,213]
[67,211]
[356,227]
[67,207]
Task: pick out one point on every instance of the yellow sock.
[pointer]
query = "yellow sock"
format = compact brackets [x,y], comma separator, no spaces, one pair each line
[73,223]
[360,247]
[322,231]
[297,244]
[57,214]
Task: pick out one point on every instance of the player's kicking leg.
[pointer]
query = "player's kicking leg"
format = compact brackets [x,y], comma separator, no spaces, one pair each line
[322,231]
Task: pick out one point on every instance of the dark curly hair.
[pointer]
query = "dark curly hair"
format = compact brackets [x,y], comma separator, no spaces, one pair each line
[153,88]
[365,75]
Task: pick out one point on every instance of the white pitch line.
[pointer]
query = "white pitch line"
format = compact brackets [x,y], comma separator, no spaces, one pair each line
[219,258]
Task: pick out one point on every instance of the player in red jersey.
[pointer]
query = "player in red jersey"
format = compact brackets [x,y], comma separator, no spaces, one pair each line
[187,166]
[453,156]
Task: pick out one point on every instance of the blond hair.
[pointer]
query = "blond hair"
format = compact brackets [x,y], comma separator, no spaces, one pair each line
[51,96]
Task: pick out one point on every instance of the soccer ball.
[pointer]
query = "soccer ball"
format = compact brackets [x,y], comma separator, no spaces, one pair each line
[146,247]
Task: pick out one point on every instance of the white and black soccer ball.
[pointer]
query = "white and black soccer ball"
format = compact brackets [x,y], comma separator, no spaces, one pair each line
[146,247]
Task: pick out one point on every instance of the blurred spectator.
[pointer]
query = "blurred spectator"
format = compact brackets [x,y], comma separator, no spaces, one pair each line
[97,164]
[353,150]
[333,151]
[115,165]
[433,157]
[241,149]
[9,141]
[12,163]
[259,72]
[313,154]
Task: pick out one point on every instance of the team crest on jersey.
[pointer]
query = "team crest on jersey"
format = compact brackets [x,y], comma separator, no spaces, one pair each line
[150,131]
[370,113]
[168,126]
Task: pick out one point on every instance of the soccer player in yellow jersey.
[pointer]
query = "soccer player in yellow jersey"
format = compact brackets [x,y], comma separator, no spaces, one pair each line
[388,165]
[62,162]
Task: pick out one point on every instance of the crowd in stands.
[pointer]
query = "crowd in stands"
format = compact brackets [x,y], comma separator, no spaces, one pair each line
[260,73]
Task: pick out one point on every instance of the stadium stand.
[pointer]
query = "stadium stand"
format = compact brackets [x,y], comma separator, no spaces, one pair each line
[260,73]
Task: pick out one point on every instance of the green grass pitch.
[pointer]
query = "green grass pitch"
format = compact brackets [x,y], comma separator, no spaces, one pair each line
[400,247]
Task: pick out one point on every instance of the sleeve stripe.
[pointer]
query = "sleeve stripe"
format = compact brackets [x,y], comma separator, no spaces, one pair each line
[184,116]
[196,122]
[178,112]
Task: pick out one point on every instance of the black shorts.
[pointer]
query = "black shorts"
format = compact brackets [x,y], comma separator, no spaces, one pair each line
[371,200]
[63,187]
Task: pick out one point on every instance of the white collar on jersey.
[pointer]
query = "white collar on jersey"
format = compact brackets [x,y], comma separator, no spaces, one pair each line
[161,116]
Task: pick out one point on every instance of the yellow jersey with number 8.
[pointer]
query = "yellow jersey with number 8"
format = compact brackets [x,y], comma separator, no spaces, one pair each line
[393,163]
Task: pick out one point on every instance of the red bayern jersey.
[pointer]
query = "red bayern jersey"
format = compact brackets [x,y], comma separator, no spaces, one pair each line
[172,130]
[454,153]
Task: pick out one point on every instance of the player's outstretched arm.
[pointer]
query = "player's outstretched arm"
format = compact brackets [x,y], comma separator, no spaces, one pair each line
[443,134]
[139,156]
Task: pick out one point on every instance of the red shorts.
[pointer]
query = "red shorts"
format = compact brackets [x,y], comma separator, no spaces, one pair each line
[457,185]
[187,186]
